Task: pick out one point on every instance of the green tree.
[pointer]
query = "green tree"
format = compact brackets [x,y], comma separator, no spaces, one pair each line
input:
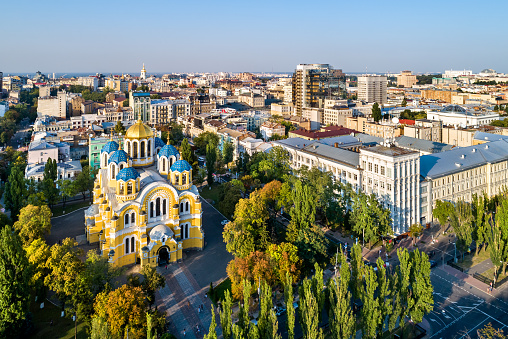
[100,329]
[376,112]
[369,217]
[14,284]
[225,316]
[211,157]
[67,190]
[318,287]
[229,196]
[462,222]
[37,254]
[480,220]
[266,325]
[421,299]
[303,212]
[34,223]
[357,265]
[227,152]
[489,332]
[415,230]
[123,308]
[49,182]
[15,192]
[341,319]
[186,152]
[212,334]
[119,128]
[152,281]
[384,294]
[308,311]
[84,181]
[404,102]
[65,268]
[442,211]
[290,309]
[312,246]
[370,313]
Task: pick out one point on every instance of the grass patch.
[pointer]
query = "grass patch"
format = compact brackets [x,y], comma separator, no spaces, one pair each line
[219,291]
[58,210]
[408,332]
[472,260]
[501,278]
[63,328]
[212,194]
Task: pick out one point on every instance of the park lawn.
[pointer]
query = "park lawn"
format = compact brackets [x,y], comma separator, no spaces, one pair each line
[63,328]
[472,260]
[219,291]
[58,210]
[212,194]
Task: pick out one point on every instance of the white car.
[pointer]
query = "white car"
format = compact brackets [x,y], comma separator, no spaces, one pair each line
[224,222]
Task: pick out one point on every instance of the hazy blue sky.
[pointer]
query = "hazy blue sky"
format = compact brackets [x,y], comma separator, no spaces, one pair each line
[186,36]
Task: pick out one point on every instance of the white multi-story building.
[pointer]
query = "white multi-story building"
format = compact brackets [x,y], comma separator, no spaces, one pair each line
[454,74]
[372,88]
[87,120]
[53,106]
[269,129]
[459,116]
[91,81]
[393,175]
[165,111]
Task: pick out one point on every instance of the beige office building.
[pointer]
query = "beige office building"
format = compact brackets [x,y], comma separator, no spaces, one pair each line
[372,88]
[406,79]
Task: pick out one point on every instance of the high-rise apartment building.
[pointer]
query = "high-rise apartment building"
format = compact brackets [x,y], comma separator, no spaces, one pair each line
[406,79]
[372,88]
[140,104]
[1,83]
[313,83]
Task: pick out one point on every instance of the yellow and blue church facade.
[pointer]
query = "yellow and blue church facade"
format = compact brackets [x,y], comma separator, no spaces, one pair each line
[145,208]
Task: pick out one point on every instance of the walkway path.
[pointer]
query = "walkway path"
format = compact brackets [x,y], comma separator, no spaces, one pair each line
[181,299]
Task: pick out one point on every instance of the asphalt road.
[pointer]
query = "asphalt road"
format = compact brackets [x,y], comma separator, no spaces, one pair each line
[210,264]
[460,309]
[67,226]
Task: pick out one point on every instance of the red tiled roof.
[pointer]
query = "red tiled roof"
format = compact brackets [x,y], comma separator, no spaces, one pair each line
[407,122]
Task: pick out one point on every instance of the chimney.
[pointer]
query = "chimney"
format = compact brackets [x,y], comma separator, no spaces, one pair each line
[336,145]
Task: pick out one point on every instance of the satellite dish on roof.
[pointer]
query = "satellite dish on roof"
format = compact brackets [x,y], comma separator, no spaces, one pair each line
[463,125]
[395,120]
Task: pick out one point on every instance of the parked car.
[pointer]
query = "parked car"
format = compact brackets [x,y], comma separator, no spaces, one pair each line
[433,263]
[224,222]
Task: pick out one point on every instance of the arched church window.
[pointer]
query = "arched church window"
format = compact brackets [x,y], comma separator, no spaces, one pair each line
[143,149]
[157,207]
[126,219]
[187,206]
[151,209]
[164,207]
[149,148]
[133,217]
[133,245]
[135,149]
[127,246]
[129,148]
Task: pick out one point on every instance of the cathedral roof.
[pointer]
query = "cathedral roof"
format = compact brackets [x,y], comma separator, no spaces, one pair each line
[127,174]
[118,157]
[159,231]
[110,146]
[181,166]
[139,131]
[159,142]
[168,150]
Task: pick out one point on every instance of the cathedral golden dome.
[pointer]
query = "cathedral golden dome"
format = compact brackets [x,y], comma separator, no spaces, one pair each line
[139,131]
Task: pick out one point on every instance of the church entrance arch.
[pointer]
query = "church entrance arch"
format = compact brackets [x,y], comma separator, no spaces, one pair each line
[163,256]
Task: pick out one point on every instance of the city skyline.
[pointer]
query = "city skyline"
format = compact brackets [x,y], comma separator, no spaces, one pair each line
[257,37]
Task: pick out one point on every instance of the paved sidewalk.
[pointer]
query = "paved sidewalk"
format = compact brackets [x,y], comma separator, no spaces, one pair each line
[180,299]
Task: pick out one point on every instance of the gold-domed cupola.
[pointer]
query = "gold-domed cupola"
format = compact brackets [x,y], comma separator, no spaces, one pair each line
[139,144]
